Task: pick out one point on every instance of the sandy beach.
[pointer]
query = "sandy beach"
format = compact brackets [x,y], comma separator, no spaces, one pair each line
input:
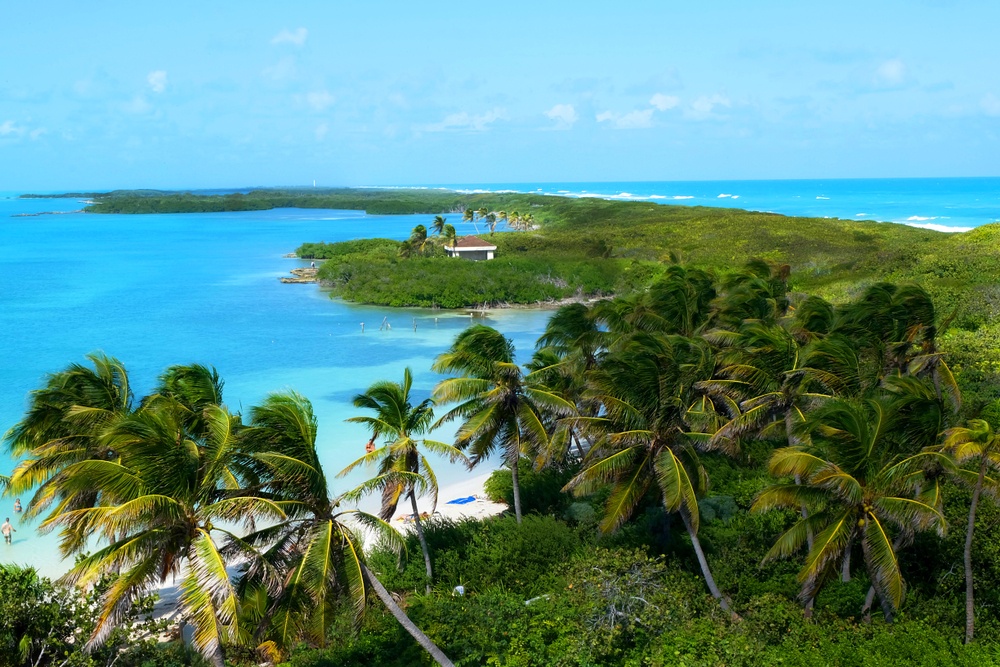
[479,508]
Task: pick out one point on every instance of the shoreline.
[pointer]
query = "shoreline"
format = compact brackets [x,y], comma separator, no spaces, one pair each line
[479,509]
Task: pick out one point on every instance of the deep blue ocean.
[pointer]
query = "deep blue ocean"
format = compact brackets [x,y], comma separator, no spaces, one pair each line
[948,204]
[156,290]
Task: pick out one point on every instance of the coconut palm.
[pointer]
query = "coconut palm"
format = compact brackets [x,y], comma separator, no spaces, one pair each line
[679,302]
[469,215]
[401,424]
[502,216]
[449,235]
[499,408]
[64,424]
[309,559]
[514,220]
[649,432]
[860,488]
[438,224]
[978,443]
[162,496]
[763,367]
[571,345]
[418,238]
[758,292]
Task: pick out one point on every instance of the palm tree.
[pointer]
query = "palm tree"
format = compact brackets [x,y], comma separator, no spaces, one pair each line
[758,292]
[472,216]
[571,346]
[653,422]
[401,423]
[491,221]
[450,237]
[502,216]
[514,220]
[418,238]
[438,224]
[310,558]
[979,443]
[679,302]
[162,496]
[64,424]
[861,488]
[499,408]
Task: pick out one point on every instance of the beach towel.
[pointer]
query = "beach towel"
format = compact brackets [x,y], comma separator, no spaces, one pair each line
[462,501]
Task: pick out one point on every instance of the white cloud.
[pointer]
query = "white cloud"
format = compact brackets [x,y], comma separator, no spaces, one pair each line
[321,131]
[704,107]
[633,120]
[320,99]
[563,114]
[286,36]
[8,128]
[663,102]
[890,73]
[281,70]
[37,132]
[466,121]
[157,81]
[991,105]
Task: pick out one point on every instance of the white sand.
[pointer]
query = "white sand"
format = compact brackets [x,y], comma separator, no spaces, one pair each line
[480,508]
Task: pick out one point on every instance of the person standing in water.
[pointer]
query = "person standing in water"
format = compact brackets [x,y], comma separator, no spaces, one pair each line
[17,505]
[7,530]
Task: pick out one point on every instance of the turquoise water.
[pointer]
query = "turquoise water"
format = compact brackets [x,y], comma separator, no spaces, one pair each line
[946,204]
[165,289]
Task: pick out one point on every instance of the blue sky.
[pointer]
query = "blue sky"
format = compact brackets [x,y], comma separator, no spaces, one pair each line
[184,94]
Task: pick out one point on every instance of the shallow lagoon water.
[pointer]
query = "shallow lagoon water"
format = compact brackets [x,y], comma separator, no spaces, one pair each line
[156,290]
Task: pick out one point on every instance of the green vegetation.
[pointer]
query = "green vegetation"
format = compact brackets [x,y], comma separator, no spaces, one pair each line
[783,460]
[713,471]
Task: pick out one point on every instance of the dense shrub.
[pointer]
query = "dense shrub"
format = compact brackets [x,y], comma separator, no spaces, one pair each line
[541,490]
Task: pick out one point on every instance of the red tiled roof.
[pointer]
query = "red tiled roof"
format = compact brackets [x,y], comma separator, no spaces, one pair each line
[473,242]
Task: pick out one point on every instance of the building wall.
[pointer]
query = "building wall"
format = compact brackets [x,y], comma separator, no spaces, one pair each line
[474,255]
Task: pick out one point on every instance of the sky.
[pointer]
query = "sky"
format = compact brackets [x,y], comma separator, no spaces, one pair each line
[231,94]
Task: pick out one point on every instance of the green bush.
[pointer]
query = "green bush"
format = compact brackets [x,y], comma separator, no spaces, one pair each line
[541,490]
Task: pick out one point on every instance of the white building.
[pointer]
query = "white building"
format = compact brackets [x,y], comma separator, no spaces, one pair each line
[471,247]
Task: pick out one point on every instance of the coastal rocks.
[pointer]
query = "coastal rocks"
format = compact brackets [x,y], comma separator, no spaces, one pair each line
[301,276]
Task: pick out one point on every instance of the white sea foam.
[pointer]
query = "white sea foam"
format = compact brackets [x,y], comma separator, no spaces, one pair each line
[723,196]
[658,197]
[938,228]
[564,192]
[683,197]
[736,196]
[821,197]
[860,214]
[920,218]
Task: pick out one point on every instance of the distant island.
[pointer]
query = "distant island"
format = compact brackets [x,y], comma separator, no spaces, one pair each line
[592,248]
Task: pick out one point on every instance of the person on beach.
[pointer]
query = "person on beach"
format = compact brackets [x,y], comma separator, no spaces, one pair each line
[17,504]
[370,447]
[7,529]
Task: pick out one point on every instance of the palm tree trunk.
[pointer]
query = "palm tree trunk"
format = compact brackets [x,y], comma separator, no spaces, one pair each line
[970,612]
[423,540]
[703,562]
[793,440]
[576,440]
[866,611]
[218,658]
[404,620]
[845,566]
[516,484]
